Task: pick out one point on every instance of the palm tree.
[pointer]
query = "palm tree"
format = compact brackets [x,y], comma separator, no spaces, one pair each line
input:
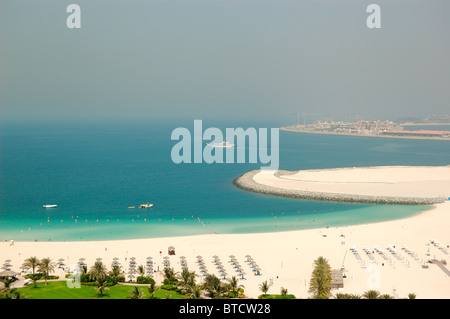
[347,296]
[151,288]
[6,290]
[32,263]
[136,294]
[214,286]
[99,274]
[101,286]
[141,270]
[320,283]
[186,278]
[83,270]
[169,274]
[46,266]
[233,284]
[386,296]
[284,292]
[264,287]
[412,296]
[371,294]
[195,292]
[115,274]
[98,271]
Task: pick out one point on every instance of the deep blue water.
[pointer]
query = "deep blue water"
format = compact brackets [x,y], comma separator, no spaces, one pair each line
[94,172]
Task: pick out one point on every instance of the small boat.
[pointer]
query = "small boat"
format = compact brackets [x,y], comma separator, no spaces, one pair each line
[49,206]
[220,145]
[130,207]
[145,205]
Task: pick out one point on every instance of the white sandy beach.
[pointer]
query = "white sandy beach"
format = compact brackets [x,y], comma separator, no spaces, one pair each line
[286,258]
[388,181]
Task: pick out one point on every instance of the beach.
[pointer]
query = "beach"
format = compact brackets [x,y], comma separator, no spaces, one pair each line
[286,258]
[380,184]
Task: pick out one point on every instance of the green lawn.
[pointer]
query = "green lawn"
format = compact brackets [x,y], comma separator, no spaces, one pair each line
[59,290]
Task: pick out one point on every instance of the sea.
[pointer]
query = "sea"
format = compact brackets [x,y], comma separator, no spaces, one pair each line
[94,172]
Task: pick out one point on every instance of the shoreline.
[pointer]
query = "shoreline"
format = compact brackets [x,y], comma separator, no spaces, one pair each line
[392,257]
[295,130]
[286,257]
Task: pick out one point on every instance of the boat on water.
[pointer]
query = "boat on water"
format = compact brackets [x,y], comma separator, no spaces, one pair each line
[131,207]
[49,206]
[221,145]
[145,205]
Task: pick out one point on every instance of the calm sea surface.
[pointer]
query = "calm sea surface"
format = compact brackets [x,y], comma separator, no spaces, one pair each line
[94,172]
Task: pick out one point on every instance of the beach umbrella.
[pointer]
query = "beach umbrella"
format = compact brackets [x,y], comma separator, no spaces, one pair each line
[8,260]
[149,257]
[8,273]
[115,258]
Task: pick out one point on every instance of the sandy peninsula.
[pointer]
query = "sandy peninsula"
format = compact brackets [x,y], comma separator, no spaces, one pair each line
[391,257]
[381,184]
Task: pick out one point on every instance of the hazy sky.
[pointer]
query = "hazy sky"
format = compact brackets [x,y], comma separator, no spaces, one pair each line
[204,59]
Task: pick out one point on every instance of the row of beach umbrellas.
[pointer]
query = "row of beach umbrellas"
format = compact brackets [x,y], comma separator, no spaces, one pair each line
[202,266]
[219,266]
[7,265]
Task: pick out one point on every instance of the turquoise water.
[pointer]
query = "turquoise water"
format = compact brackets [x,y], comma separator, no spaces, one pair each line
[93,172]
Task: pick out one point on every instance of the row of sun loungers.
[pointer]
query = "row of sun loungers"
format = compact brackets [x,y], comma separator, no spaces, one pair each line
[394,253]
[441,247]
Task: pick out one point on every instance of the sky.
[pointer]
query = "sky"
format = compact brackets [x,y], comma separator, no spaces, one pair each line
[213,59]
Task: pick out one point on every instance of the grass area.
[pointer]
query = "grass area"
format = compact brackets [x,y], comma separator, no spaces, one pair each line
[59,290]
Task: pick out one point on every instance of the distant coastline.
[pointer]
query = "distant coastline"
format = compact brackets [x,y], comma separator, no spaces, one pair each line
[297,129]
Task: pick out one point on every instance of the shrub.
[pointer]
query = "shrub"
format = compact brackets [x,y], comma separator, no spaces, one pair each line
[39,276]
[145,280]
[173,282]
[288,296]
[168,287]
